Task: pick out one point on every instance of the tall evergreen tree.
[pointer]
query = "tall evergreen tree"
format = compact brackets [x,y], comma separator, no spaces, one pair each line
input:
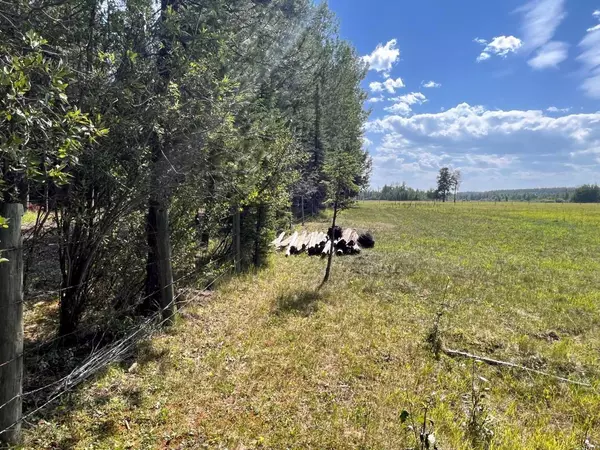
[444,181]
[202,107]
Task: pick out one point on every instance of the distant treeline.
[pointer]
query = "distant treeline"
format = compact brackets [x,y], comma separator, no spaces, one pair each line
[398,193]
[558,194]
[587,193]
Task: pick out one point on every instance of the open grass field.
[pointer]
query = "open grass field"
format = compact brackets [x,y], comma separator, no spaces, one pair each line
[271,362]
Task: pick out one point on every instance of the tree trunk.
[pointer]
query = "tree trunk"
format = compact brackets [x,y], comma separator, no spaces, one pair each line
[165,268]
[208,207]
[68,318]
[237,247]
[24,193]
[205,239]
[318,157]
[76,260]
[152,278]
[159,277]
[302,207]
[258,244]
[47,196]
[330,255]
[11,323]
[159,271]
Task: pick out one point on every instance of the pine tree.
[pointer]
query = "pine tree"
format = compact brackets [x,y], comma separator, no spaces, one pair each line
[444,181]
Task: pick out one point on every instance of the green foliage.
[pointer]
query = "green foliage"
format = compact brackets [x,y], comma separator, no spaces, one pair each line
[394,192]
[342,169]
[588,193]
[42,134]
[455,181]
[444,183]
[208,107]
[3,224]
[528,195]
[479,420]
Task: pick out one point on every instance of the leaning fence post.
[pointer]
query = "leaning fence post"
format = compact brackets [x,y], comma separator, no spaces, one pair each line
[11,323]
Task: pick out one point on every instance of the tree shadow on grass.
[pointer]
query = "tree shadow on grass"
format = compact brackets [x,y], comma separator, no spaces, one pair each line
[303,302]
[63,411]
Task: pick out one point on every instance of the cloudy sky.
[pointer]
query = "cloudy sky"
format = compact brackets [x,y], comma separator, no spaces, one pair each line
[506,91]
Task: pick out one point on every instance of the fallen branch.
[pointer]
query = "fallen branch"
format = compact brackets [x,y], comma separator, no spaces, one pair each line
[496,362]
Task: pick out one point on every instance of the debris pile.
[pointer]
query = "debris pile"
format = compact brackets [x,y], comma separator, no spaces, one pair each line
[343,241]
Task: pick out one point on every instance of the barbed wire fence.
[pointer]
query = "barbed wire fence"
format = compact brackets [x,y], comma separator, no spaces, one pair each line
[111,353]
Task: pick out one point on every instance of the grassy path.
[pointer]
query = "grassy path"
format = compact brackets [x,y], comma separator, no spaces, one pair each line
[270,362]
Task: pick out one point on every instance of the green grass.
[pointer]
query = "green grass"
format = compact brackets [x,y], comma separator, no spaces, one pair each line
[29,217]
[272,362]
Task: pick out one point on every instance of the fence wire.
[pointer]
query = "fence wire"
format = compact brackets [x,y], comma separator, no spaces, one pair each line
[109,354]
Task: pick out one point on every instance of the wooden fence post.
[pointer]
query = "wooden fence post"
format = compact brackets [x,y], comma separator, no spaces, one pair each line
[11,322]
[237,247]
[165,269]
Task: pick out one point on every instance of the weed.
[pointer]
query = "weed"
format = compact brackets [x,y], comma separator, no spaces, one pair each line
[479,422]
[434,338]
[421,430]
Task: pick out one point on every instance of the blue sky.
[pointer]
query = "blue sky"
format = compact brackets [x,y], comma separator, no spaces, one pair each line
[507,91]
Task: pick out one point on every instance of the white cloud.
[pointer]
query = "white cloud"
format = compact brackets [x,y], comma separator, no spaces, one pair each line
[483,56]
[554,109]
[499,46]
[590,60]
[404,102]
[376,99]
[595,14]
[403,109]
[389,85]
[376,86]
[431,84]
[383,57]
[412,98]
[511,148]
[465,122]
[591,85]
[550,55]
[590,55]
[392,84]
[541,18]
[503,45]
[491,160]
